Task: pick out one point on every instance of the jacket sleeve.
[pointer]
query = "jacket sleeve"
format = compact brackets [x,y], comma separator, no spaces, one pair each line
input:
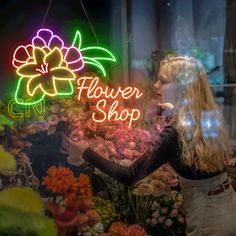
[142,167]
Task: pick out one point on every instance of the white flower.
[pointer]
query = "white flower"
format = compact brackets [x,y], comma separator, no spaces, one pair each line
[99,227]
[153,221]
[161,219]
[168,222]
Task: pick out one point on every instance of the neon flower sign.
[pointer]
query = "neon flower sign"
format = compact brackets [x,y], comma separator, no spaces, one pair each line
[47,67]
[90,86]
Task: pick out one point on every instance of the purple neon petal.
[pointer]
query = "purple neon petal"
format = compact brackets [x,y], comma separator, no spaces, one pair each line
[45,34]
[56,41]
[38,42]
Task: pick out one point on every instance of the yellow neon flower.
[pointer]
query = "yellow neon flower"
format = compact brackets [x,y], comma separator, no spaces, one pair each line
[46,72]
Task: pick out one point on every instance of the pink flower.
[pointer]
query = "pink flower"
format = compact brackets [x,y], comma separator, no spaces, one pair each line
[77,135]
[103,147]
[161,219]
[131,143]
[164,210]
[177,205]
[21,55]
[153,221]
[181,219]
[168,222]
[174,213]
[155,214]
[110,132]
[73,57]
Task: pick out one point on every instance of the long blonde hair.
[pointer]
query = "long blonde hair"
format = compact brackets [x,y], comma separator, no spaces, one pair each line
[200,125]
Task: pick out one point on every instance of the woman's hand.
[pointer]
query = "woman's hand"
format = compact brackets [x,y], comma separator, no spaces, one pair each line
[167,108]
[74,150]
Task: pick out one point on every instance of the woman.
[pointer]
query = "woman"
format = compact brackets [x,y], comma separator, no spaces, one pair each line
[195,144]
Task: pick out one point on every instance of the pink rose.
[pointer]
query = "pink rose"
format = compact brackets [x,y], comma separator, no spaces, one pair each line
[174,213]
[164,210]
[153,221]
[168,222]
[181,219]
[155,214]
[161,219]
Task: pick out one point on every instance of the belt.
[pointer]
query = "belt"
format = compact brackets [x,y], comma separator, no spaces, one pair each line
[219,188]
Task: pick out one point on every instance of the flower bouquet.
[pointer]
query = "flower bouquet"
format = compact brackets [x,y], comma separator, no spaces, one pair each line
[166,215]
[70,202]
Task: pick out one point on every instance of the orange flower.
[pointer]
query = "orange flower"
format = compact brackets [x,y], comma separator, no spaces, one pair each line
[61,180]
[84,186]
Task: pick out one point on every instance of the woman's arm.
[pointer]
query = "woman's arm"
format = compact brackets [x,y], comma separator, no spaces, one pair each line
[141,168]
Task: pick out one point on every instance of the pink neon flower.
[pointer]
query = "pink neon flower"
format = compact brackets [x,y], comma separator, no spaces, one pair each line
[21,55]
[73,57]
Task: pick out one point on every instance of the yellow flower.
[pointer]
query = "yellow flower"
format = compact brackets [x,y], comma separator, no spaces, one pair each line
[7,162]
[46,71]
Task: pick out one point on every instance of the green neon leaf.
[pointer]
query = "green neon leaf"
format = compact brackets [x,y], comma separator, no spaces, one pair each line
[66,86]
[94,62]
[77,41]
[98,53]
[21,96]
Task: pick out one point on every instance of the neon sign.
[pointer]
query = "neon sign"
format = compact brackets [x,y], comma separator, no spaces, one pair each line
[23,112]
[90,86]
[47,67]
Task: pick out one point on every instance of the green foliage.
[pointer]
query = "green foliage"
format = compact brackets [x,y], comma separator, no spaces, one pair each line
[21,198]
[17,223]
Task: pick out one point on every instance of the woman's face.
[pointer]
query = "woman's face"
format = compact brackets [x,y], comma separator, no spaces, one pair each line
[166,92]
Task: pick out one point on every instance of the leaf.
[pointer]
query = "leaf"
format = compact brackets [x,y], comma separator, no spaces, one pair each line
[22,198]
[94,62]
[22,97]
[18,223]
[77,40]
[7,162]
[98,53]
[64,87]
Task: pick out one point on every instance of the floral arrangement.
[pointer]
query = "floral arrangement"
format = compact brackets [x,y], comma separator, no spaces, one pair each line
[158,183]
[106,209]
[121,229]
[167,215]
[47,65]
[70,202]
